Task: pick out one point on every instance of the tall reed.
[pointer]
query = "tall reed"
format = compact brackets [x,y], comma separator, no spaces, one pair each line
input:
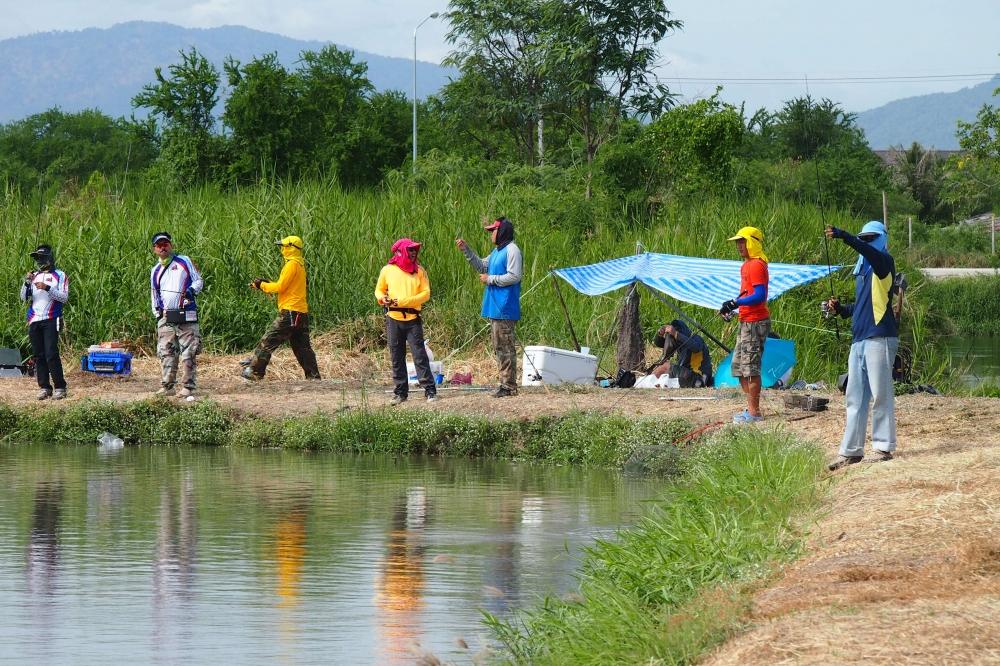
[101,238]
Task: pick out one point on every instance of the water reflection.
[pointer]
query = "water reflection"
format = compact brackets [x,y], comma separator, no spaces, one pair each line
[174,558]
[400,585]
[251,557]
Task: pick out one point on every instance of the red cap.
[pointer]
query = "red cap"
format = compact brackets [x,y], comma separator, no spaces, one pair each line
[495,224]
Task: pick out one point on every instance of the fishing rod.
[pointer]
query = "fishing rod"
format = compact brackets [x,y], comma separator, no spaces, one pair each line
[822,210]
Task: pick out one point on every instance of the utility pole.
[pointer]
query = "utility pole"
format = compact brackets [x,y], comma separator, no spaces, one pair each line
[885,211]
[909,225]
[428,18]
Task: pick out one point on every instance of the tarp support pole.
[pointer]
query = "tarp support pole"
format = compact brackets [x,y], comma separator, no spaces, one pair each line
[569,322]
[686,318]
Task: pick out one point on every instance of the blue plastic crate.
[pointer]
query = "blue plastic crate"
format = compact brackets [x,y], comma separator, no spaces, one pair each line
[109,362]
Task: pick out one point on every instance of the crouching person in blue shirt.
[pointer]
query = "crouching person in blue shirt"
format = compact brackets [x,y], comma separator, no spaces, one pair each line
[875,341]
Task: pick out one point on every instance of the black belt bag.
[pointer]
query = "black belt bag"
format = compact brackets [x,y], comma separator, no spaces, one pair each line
[181,316]
[409,311]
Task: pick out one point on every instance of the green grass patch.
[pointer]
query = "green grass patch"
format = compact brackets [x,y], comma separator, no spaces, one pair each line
[971,304]
[575,437]
[667,590]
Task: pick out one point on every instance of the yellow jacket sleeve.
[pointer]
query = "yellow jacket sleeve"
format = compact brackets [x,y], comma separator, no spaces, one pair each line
[382,285]
[284,280]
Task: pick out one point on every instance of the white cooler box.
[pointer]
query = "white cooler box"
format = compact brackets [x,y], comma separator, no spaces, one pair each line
[437,369]
[548,365]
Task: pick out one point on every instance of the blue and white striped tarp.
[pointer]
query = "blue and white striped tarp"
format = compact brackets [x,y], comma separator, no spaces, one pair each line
[705,282]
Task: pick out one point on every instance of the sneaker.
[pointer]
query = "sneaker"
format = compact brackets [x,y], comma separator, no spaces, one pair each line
[843,461]
[876,456]
[185,392]
[44,394]
[397,400]
[503,392]
[745,417]
[165,392]
[432,397]
[59,394]
[245,362]
[249,374]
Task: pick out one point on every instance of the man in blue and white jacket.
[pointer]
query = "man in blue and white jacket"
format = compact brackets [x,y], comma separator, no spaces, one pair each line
[501,273]
[174,282]
[47,290]
[875,342]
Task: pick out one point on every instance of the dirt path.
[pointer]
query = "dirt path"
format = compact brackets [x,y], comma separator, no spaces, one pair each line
[902,567]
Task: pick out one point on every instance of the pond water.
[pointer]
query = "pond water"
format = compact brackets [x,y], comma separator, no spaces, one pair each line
[157,555]
[978,357]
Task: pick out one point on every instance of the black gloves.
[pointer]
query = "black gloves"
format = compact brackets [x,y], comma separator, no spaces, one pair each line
[255,283]
[728,307]
[189,294]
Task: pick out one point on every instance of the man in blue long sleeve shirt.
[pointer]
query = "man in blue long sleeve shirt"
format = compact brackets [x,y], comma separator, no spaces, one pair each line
[875,342]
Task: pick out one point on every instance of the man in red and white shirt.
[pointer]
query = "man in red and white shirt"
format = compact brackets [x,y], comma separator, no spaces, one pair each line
[47,290]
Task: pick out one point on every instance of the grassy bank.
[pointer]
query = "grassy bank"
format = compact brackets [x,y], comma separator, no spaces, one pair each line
[971,304]
[669,589]
[577,437]
[101,238]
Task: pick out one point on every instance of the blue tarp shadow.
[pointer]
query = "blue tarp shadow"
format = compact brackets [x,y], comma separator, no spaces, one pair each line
[779,356]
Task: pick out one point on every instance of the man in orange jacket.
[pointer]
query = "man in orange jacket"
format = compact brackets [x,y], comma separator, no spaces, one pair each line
[292,323]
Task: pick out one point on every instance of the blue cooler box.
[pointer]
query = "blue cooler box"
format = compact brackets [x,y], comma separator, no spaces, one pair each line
[107,362]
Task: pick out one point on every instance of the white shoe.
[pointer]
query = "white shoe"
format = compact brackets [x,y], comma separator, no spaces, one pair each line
[397,400]
[164,391]
[185,392]
[44,394]
[432,397]
[59,394]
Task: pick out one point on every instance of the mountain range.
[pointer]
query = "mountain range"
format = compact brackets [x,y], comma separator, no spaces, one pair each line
[104,68]
[930,120]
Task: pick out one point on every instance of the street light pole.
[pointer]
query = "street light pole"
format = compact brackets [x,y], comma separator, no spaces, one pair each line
[432,16]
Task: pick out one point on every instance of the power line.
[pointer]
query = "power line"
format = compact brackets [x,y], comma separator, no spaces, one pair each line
[772,80]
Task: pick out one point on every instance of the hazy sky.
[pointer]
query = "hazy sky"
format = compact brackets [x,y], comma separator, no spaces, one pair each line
[721,39]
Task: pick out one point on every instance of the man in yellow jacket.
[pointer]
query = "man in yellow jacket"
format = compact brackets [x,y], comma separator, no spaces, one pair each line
[292,324]
[402,289]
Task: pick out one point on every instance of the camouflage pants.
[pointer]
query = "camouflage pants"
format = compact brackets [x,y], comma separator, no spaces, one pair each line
[177,342]
[292,327]
[504,341]
[750,348]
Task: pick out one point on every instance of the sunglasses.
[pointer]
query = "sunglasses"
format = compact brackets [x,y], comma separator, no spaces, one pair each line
[868,238]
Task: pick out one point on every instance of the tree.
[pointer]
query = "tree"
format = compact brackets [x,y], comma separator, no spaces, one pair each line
[500,53]
[695,144]
[185,102]
[982,137]
[803,127]
[332,89]
[54,147]
[602,54]
[260,112]
[920,173]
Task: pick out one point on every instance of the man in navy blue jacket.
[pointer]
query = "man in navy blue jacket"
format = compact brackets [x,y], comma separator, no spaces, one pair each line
[875,341]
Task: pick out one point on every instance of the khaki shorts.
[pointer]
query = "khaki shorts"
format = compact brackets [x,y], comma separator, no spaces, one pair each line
[750,348]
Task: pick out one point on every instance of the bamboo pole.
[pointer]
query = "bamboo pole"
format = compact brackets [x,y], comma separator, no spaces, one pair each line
[569,322]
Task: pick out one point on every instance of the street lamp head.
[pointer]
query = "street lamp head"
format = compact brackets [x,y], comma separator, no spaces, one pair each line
[435,15]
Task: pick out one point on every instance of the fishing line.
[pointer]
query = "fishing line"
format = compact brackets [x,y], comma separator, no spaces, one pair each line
[811,328]
[819,204]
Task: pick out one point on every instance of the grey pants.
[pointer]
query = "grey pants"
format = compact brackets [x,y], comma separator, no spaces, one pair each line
[177,343]
[504,344]
[399,333]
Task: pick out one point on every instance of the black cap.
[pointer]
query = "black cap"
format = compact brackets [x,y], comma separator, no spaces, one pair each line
[161,236]
[41,250]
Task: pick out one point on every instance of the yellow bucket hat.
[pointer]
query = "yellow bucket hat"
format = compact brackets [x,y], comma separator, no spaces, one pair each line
[755,242]
[294,241]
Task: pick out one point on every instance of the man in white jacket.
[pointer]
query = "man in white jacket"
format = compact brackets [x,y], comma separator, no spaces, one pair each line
[47,290]
[174,282]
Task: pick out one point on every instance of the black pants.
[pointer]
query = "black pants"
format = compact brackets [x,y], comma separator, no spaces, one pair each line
[399,333]
[44,336]
[292,327]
